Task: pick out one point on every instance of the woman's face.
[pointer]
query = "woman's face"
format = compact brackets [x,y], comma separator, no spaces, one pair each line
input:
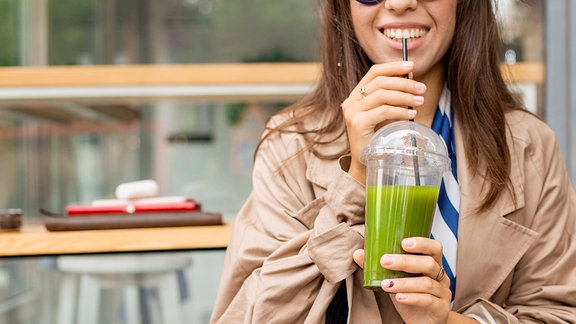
[428,24]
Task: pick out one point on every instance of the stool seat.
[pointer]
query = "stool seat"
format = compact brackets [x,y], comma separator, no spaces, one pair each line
[122,263]
[128,272]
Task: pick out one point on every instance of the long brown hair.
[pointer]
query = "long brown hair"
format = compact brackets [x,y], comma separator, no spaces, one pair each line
[479,93]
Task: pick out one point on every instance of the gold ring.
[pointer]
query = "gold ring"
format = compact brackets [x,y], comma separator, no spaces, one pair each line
[363,92]
[441,274]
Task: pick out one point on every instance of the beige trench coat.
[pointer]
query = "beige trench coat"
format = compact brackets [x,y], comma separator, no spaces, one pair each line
[293,239]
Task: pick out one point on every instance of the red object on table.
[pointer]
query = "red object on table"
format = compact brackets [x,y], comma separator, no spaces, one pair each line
[132,208]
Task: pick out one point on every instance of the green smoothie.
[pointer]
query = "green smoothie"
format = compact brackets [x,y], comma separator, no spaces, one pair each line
[392,214]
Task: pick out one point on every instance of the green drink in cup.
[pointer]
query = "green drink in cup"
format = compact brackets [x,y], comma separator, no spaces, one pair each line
[405,162]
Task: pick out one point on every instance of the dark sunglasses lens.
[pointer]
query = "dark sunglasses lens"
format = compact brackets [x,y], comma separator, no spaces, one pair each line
[369,2]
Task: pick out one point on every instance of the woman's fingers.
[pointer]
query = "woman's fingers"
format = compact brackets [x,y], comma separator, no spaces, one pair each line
[411,263]
[417,288]
[381,96]
[386,75]
[379,113]
[395,84]
[358,257]
[424,256]
[423,245]
[397,92]
[421,294]
[398,68]
[428,303]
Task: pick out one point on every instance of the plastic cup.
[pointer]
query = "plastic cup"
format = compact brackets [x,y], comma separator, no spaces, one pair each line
[405,162]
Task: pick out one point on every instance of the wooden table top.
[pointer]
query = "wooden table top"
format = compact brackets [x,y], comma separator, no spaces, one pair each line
[35,240]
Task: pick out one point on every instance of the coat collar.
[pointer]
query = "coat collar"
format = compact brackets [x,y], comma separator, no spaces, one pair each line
[489,244]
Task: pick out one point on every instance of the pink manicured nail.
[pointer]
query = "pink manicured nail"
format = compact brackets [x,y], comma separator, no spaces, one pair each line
[387,284]
[409,243]
[407,64]
[386,260]
[420,87]
[401,297]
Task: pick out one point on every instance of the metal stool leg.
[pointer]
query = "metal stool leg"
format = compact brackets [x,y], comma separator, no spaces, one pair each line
[67,298]
[132,304]
[89,300]
[170,307]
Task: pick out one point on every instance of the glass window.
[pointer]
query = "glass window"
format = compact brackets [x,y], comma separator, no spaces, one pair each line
[522,32]
[180,31]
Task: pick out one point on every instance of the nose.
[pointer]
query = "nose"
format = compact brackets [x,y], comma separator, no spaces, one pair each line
[400,5]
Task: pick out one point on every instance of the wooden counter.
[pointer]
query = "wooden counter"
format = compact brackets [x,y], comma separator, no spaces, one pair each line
[36,240]
[199,74]
[127,84]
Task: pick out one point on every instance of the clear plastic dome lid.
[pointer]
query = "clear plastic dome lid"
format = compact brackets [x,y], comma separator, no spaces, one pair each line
[403,141]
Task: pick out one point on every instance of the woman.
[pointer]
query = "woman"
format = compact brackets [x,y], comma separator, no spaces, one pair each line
[296,252]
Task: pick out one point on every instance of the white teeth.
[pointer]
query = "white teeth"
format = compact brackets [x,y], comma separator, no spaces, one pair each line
[411,33]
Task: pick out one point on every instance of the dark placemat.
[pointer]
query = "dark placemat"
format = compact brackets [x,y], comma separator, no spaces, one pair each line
[141,220]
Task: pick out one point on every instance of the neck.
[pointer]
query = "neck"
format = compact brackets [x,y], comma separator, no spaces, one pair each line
[434,81]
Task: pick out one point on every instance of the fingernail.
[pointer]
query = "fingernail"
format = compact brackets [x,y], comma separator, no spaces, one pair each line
[411,113]
[401,297]
[418,100]
[420,87]
[387,284]
[407,64]
[409,242]
[386,260]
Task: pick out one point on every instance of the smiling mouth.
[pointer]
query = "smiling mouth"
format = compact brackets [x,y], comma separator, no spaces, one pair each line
[398,34]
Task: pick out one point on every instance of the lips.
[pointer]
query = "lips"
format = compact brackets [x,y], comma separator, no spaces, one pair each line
[397,34]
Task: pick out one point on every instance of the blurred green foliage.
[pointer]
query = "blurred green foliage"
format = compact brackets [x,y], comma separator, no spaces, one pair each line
[70,30]
[167,31]
[8,32]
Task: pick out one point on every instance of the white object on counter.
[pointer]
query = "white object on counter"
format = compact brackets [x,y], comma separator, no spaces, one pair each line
[137,189]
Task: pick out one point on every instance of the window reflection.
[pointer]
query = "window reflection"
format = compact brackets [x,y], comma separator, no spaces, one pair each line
[180,31]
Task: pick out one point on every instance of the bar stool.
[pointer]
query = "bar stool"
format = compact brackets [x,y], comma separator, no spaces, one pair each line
[128,272]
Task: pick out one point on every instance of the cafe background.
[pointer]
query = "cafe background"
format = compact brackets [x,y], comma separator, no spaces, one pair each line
[75,144]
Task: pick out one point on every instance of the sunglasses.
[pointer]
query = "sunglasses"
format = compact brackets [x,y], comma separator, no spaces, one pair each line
[369,2]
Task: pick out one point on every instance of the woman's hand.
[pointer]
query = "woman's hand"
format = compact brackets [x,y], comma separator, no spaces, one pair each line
[421,299]
[382,95]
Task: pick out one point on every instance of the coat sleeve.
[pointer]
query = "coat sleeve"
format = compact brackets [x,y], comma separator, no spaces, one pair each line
[543,288]
[287,243]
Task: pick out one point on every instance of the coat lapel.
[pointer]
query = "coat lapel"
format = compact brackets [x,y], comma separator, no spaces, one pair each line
[489,244]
